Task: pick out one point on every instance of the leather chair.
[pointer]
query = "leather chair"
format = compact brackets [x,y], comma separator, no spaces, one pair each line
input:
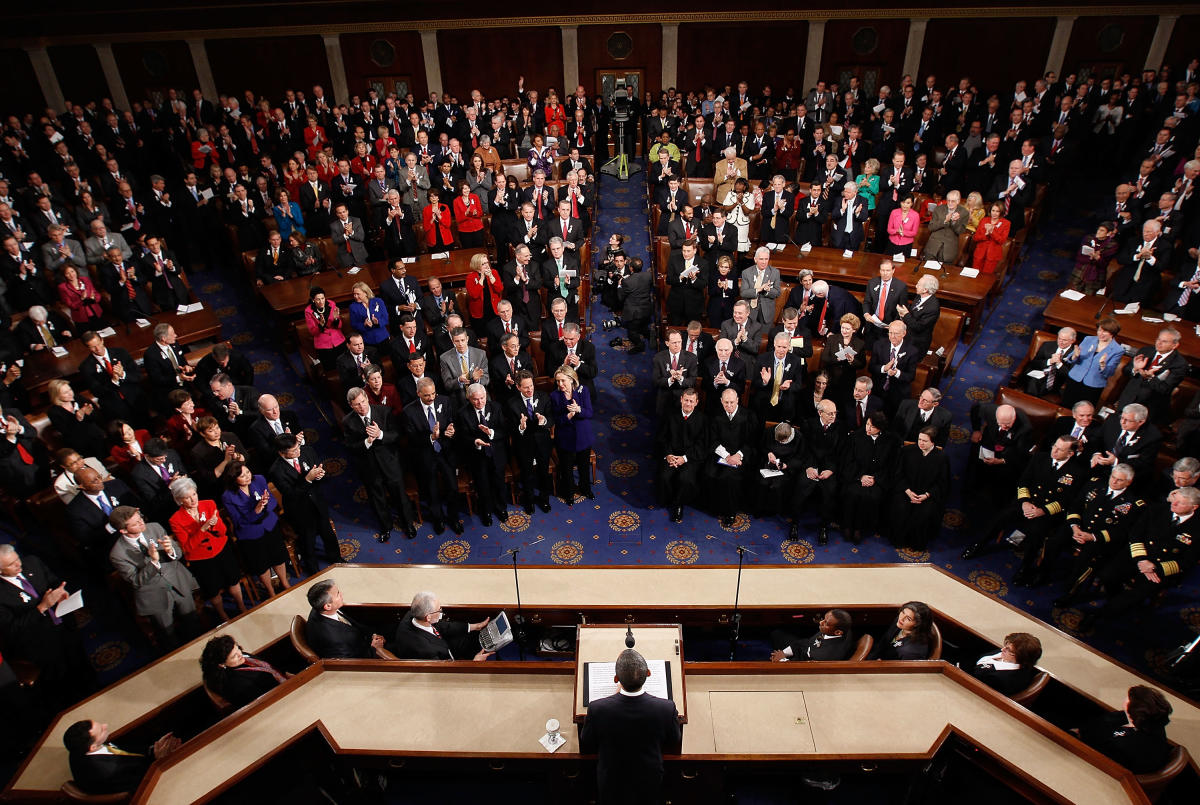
[862,649]
[1029,695]
[74,793]
[1041,413]
[935,650]
[300,640]
[1035,343]
[1155,783]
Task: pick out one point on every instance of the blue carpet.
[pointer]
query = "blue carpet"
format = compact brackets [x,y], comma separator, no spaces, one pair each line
[624,525]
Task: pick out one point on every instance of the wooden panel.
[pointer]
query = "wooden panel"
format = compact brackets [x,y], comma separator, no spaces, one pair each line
[79,73]
[645,55]
[269,65]
[21,90]
[408,60]
[155,67]
[888,54]
[490,60]
[777,55]
[953,49]
[1084,47]
[1182,47]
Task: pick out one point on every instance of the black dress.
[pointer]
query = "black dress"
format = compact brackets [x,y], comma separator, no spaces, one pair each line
[914,524]
[894,647]
[246,683]
[842,373]
[1141,751]
[206,458]
[83,435]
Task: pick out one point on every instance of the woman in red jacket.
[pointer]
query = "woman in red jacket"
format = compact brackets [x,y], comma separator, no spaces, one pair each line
[485,289]
[436,218]
[199,528]
[990,235]
[468,214]
[314,139]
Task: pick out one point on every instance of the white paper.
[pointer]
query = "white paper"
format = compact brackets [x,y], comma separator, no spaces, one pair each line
[181,309]
[552,747]
[440,256]
[848,253]
[798,343]
[898,257]
[806,248]
[913,253]
[571,273]
[60,352]
[195,307]
[1132,307]
[601,684]
[769,473]
[143,323]
[1073,295]
[1087,251]
[1101,292]
[888,129]
[353,271]
[408,260]
[986,452]
[845,353]
[106,332]
[69,604]
[206,194]
[970,272]
[879,108]
[1170,317]
[1152,319]
[934,264]
[835,130]
[1036,374]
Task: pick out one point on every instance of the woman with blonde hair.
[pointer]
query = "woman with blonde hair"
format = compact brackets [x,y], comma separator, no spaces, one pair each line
[368,315]
[572,409]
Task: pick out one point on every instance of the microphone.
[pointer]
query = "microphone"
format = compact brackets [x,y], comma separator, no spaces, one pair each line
[629,641]
[1100,312]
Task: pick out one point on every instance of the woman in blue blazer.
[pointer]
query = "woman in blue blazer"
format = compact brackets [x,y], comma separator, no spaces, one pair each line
[287,215]
[572,409]
[1096,359]
[255,524]
[368,315]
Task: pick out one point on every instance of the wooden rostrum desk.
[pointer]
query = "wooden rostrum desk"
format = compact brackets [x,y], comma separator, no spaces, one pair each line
[737,712]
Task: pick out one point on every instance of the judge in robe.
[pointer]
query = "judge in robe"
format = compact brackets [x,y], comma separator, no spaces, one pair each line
[681,445]
[780,459]
[869,465]
[921,483]
[818,469]
[732,435]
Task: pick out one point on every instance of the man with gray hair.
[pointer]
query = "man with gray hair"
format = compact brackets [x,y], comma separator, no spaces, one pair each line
[848,215]
[1052,361]
[560,272]
[1154,373]
[628,732]
[760,287]
[483,442]
[948,221]
[372,438]
[1130,439]
[42,330]
[921,317]
[425,634]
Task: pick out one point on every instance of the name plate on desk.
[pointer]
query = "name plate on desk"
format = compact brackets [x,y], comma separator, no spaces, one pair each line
[598,680]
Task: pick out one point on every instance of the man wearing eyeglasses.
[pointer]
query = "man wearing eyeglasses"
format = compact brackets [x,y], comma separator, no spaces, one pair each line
[425,634]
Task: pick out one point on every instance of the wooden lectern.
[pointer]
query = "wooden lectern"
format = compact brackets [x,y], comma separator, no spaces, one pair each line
[604,642]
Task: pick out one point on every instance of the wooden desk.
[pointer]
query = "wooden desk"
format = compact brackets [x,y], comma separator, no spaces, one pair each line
[771,713]
[670,588]
[968,294]
[42,367]
[604,642]
[289,297]
[1081,315]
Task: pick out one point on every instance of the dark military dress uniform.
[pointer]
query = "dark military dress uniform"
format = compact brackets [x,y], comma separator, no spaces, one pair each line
[1099,513]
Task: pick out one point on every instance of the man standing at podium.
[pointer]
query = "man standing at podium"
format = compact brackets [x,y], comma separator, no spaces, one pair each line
[628,731]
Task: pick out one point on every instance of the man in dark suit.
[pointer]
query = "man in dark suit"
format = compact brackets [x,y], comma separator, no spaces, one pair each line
[954,167]
[402,294]
[315,202]
[718,238]
[425,634]
[1128,439]
[819,461]
[483,438]
[828,303]
[223,359]
[629,731]
[351,363]
[683,228]
[743,331]
[1015,193]
[522,284]
[1142,262]
[87,513]
[921,317]
[925,411]
[893,366]
[834,640]
[723,369]
[529,422]
[673,371]
[235,407]
[100,767]
[115,379]
[1053,361]
[429,423]
[371,438]
[861,404]
[572,351]
[681,444]
[883,295]
[42,329]
[506,364]
[409,373]
[348,237]
[125,286]
[166,364]
[848,216]
[151,478]
[24,465]
[243,215]
[1081,425]
[506,323]
[331,633]
[687,276]
[557,270]
[297,474]
[1154,373]
[274,263]
[410,339]
[272,421]
[775,381]
[1000,437]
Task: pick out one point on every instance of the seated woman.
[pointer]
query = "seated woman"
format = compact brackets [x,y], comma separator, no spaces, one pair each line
[201,531]
[255,524]
[183,422]
[234,675]
[1135,736]
[910,638]
[1013,668]
[127,444]
[306,257]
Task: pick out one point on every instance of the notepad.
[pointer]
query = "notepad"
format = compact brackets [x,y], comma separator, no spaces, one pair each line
[353,271]
[970,272]
[934,264]
[913,253]
[898,257]
[69,604]
[106,332]
[1073,295]
[1132,307]
[986,452]
[879,108]
[1087,251]
[806,248]
[408,260]
[143,323]
[769,473]
[60,352]
[206,194]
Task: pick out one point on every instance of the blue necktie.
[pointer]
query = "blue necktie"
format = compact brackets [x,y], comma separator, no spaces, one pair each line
[529,407]
[437,447]
[104,504]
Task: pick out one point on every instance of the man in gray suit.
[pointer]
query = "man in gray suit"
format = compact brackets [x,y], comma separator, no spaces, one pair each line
[760,285]
[949,220]
[151,562]
[413,182]
[743,330]
[60,250]
[462,365]
[96,247]
[348,237]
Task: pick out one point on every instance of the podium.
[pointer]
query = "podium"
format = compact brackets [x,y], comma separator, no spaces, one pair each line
[597,643]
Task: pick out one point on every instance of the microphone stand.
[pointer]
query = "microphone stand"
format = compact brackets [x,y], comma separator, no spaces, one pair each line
[519,620]
[736,620]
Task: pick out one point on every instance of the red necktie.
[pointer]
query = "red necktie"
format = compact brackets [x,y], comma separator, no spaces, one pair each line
[560,330]
[883,291]
[128,285]
[698,144]
[412,347]
[296,464]
[1155,362]
[674,362]
[24,454]
[821,321]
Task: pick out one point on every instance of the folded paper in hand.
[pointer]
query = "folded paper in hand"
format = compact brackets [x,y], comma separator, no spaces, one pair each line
[986,452]
[69,604]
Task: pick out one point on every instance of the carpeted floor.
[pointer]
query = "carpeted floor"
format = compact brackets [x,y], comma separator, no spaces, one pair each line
[624,525]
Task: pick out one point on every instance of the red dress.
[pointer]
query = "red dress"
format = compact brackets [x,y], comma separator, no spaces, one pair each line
[556,120]
[197,543]
[468,220]
[443,227]
[125,457]
[989,248]
[314,141]
[475,293]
